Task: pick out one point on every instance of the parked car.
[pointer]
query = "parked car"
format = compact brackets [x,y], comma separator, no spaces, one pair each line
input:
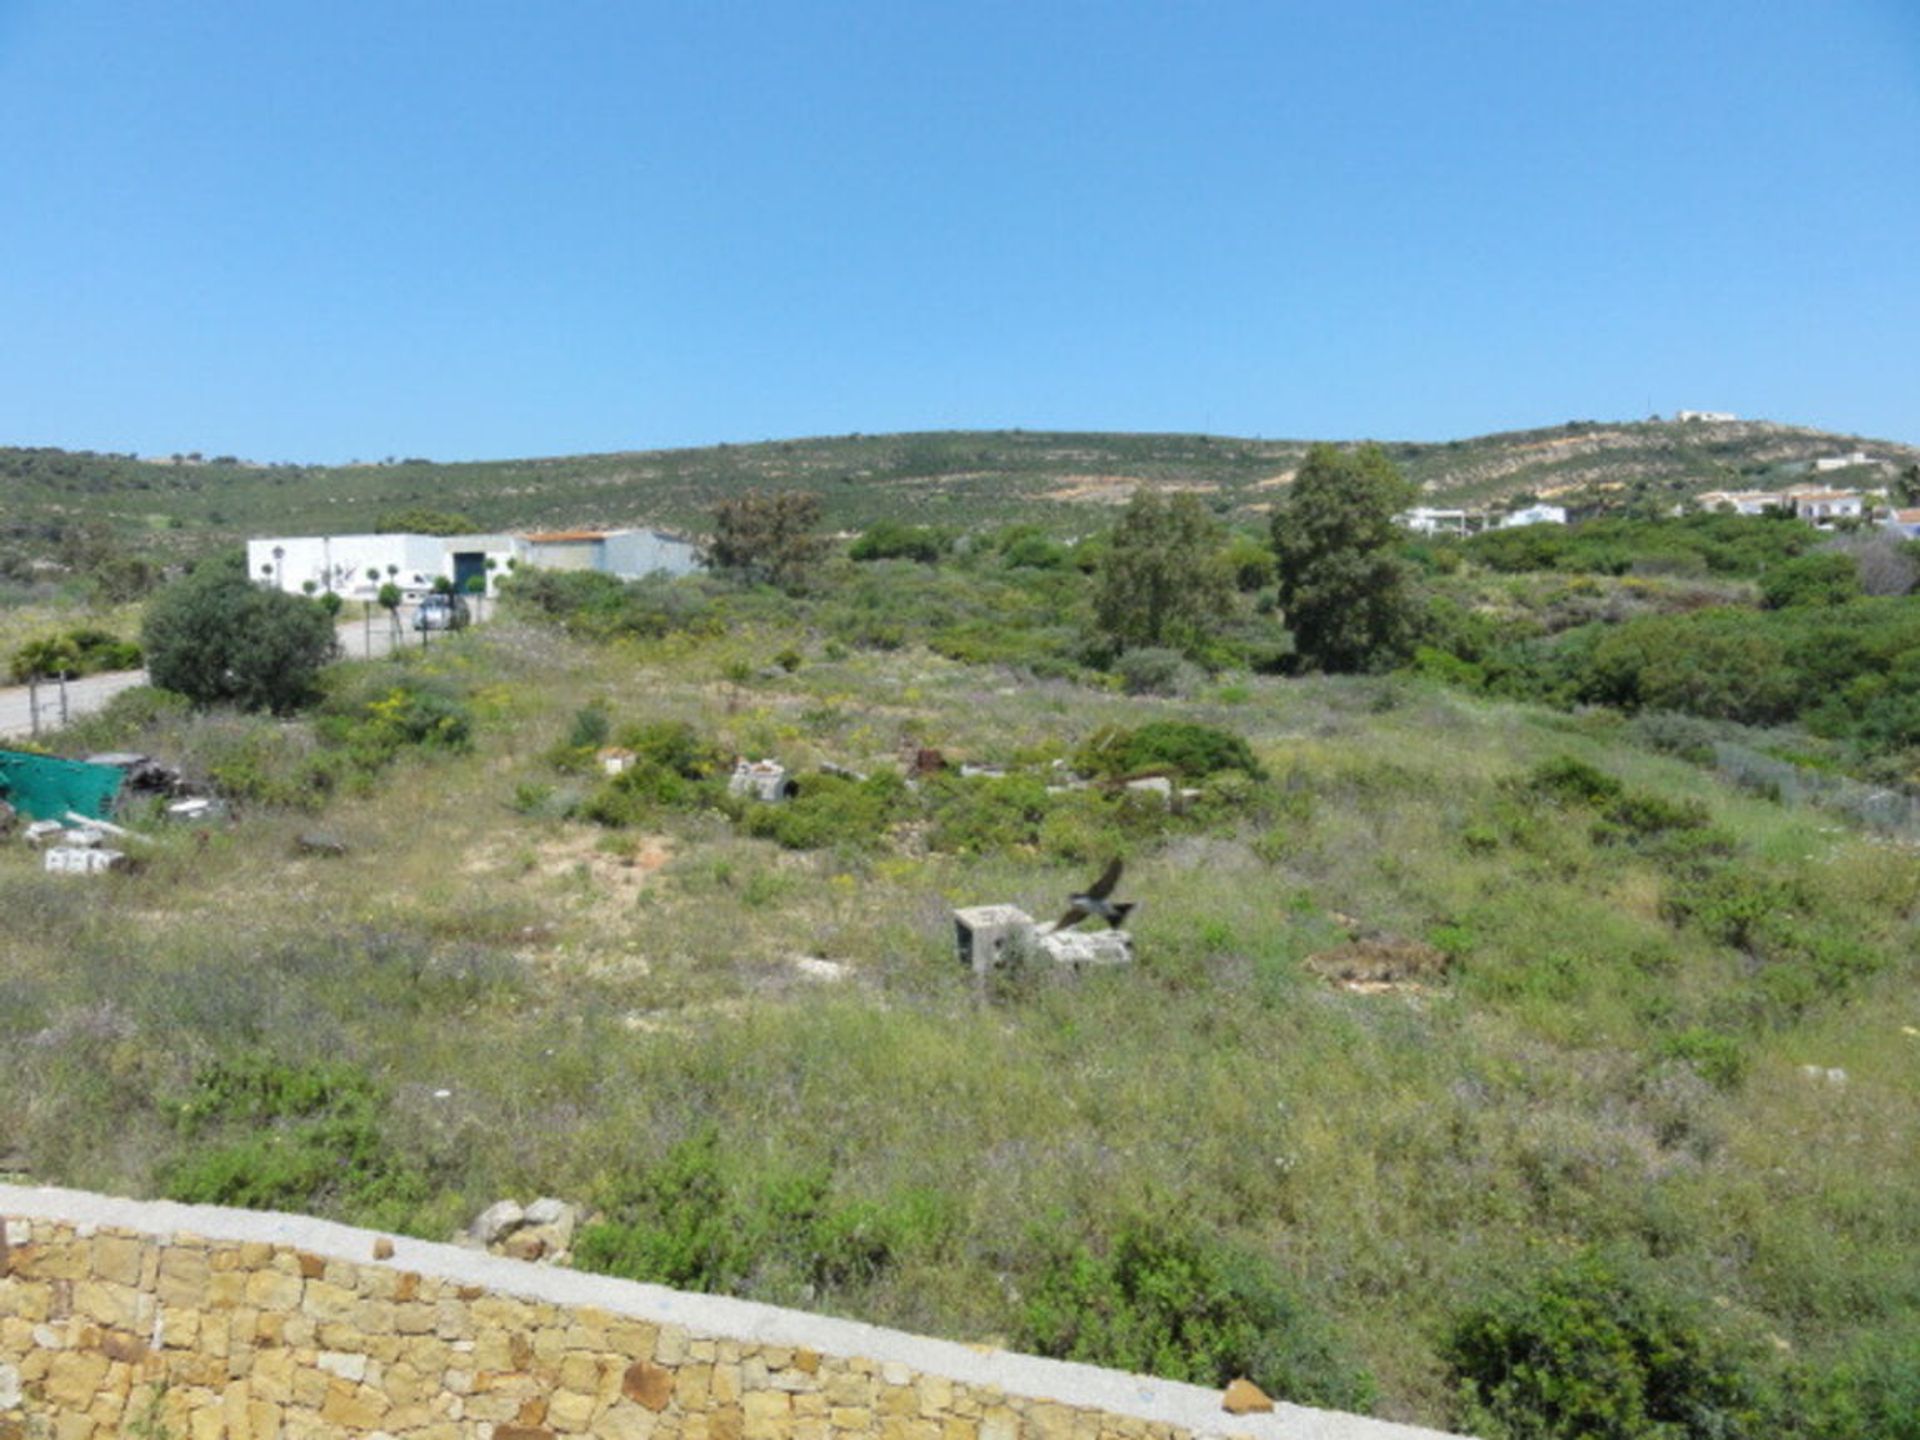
[441,612]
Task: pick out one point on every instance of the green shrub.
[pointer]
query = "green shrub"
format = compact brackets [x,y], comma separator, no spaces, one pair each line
[891,540]
[415,711]
[1573,782]
[1719,1058]
[1154,671]
[1828,578]
[1588,1350]
[267,765]
[674,745]
[1872,1392]
[985,815]
[276,1136]
[1638,818]
[831,810]
[1192,751]
[1185,1306]
[83,650]
[699,1222]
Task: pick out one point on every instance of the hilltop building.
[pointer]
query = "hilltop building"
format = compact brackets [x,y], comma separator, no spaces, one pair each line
[1705,417]
[356,566]
[1841,462]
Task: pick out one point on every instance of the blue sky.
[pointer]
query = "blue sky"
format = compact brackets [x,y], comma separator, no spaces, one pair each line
[349,230]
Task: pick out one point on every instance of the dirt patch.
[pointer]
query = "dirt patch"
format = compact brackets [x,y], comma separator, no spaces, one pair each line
[1381,963]
[572,853]
[1117,489]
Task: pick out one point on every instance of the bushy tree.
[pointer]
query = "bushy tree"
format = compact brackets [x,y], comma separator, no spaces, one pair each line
[1344,589]
[421,520]
[1162,581]
[894,540]
[1828,578]
[767,537]
[218,638]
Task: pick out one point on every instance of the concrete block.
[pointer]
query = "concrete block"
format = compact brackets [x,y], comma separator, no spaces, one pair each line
[1087,947]
[764,780]
[989,935]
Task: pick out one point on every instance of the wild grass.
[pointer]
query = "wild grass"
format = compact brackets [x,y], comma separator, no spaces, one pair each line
[537,1004]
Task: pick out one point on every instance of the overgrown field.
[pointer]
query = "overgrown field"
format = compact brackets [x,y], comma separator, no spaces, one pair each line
[1611,1130]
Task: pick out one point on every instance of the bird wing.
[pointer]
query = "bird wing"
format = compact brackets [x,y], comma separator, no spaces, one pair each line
[1072,918]
[1103,887]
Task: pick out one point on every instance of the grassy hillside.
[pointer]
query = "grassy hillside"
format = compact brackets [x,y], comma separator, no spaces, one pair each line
[1065,481]
[1443,1009]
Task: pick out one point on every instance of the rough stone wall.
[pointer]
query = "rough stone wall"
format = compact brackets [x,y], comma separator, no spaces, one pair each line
[249,1327]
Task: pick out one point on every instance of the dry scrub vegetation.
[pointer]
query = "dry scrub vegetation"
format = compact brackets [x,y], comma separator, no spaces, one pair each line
[1601,1073]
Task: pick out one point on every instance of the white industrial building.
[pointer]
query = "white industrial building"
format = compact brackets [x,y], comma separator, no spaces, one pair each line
[1425,520]
[356,566]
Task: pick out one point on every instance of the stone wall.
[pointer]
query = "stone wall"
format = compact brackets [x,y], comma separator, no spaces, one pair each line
[150,1319]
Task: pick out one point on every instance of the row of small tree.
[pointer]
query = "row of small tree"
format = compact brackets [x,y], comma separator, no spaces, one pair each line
[1168,576]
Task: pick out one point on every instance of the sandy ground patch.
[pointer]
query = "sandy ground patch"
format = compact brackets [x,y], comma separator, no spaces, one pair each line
[1117,489]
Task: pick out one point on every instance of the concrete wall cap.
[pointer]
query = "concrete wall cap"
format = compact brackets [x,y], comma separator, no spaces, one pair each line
[1189,1406]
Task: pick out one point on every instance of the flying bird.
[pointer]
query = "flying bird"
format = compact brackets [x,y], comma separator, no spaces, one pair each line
[1095,902]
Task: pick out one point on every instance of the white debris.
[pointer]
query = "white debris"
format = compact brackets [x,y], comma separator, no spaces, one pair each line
[1088,947]
[83,860]
[814,968]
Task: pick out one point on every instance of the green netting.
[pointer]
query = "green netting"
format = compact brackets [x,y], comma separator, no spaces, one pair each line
[45,787]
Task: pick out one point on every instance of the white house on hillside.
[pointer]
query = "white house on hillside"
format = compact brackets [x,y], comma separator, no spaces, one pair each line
[1535,515]
[1427,521]
[1821,508]
[1841,462]
[1742,502]
[356,566]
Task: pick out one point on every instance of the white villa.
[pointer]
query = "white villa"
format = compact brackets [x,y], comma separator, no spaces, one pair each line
[356,566]
[1744,502]
[1428,521]
[1820,508]
[1535,515]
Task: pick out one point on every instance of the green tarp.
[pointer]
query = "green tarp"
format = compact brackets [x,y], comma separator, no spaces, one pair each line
[45,787]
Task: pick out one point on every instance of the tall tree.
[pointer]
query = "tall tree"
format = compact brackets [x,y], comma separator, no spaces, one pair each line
[1345,592]
[767,537]
[1163,580]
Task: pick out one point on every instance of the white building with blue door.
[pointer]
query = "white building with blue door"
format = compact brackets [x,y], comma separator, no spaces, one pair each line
[356,566]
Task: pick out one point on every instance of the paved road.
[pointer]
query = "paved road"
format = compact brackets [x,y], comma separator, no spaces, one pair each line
[92,693]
